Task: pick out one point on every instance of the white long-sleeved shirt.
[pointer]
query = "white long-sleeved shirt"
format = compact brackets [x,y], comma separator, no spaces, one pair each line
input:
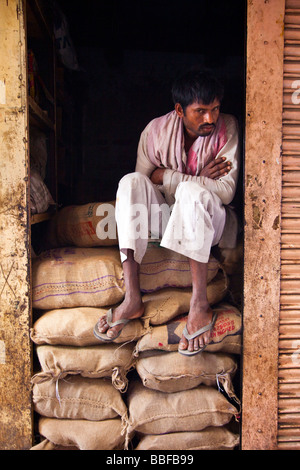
[224,187]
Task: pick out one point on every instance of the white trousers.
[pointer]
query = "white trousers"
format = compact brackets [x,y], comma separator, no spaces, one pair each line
[191,226]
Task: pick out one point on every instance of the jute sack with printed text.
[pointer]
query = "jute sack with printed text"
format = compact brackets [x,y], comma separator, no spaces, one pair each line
[212,438]
[173,372]
[166,304]
[83,434]
[225,337]
[93,277]
[74,327]
[105,360]
[82,226]
[77,397]
[155,412]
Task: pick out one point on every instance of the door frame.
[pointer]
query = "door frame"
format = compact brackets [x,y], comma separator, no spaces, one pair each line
[262,181]
[262,187]
[16,417]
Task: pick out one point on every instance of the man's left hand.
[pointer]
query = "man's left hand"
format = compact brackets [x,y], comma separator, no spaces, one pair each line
[157,176]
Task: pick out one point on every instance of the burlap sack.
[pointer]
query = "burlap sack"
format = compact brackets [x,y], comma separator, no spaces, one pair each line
[173,372]
[40,197]
[212,438]
[225,337]
[74,327]
[77,397]
[166,304]
[105,360]
[154,412]
[232,258]
[93,277]
[84,434]
[75,277]
[236,290]
[47,445]
[163,268]
[82,226]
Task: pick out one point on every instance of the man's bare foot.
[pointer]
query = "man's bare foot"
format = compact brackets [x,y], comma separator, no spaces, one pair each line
[200,315]
[128,310]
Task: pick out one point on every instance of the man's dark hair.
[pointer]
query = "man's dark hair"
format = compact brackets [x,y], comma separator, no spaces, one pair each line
[196,86]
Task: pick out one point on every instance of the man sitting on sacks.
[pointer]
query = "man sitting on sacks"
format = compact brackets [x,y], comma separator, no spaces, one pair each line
[187,166]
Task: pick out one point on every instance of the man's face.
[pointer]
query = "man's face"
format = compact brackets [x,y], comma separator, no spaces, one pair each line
[199,119]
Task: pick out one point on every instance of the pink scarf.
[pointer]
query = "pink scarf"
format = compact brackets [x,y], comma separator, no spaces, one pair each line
[165,145]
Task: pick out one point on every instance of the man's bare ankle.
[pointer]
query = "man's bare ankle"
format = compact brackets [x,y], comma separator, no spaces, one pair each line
[200,304]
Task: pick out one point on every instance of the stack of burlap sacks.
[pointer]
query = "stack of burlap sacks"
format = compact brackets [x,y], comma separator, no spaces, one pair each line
[137,392]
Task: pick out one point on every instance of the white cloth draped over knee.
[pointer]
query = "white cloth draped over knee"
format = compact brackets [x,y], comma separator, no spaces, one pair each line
[135,196]
[196,223]
[191,226]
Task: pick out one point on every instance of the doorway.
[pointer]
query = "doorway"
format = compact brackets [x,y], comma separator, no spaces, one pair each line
[129,53]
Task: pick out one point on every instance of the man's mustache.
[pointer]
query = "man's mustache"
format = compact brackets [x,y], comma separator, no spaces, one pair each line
[207,125]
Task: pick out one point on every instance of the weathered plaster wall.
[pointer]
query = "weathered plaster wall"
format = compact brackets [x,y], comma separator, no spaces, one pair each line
[15,349]
[263,174]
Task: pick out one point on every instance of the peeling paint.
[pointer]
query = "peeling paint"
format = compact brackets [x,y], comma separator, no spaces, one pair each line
[275,225]
[248,179]
[257,217]
[2,353]
[2,92]
[280,21]
[252,196]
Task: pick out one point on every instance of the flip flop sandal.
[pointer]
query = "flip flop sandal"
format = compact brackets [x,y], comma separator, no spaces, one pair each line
[103,336]
[205,328]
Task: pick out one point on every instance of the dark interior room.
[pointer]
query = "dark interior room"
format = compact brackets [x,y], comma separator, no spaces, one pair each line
[124,57]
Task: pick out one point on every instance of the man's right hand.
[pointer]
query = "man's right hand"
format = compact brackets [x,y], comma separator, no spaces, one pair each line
[216,169]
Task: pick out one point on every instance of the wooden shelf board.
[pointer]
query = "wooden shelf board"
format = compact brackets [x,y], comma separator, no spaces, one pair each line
[38,114]
[37,218]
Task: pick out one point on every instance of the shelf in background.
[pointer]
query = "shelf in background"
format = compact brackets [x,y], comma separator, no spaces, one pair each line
[38,115]
[37,218]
